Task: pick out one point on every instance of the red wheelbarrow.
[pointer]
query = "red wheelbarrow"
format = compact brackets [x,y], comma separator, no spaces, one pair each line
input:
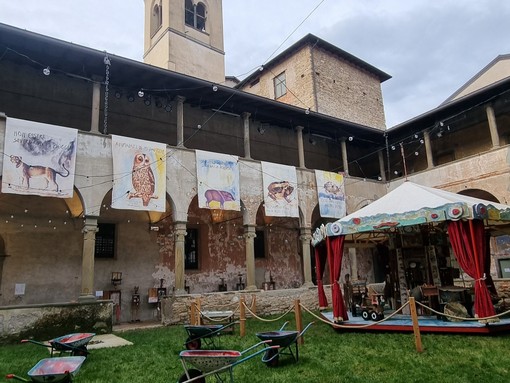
[284,340]
[214,362]
[75,344]
[55,370]
[207,333]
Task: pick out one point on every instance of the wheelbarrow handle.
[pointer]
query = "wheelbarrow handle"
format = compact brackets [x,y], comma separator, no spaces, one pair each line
[264,342]
[306,328]
[36,342]
[12,376]
[283,326]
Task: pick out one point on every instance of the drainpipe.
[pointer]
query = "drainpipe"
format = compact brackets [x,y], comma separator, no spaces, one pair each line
[96,99]
[246,134]
[493,126]
[428,150]
[381,165]
[344,156]
[180,120]
[301,151]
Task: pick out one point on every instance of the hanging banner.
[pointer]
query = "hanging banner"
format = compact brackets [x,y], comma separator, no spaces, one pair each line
[39,159]
[280,188]
[139,174]
[218,181]
[331,194]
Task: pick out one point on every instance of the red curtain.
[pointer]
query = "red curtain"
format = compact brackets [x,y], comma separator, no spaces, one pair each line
[468,243]
[335,249]
[320,263]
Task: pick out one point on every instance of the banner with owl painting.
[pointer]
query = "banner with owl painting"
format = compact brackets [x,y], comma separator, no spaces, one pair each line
[280,190]
[331,193]
[39,159]
[218,181]
[139,174]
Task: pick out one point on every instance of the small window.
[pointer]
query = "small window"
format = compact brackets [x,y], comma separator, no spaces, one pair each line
[194,15]
[189,13]
[280,87]
[156,18]
[191,249]
[105,241]
[260,244]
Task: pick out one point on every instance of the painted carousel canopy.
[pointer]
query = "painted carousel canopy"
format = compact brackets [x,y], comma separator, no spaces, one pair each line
[413,204]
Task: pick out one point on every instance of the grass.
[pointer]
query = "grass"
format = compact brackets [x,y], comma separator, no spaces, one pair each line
[327,356]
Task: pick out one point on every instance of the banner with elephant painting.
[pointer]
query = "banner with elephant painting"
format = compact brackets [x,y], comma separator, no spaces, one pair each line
[218,181]
[280,190]
[139,174]
[331,193]
[39,159]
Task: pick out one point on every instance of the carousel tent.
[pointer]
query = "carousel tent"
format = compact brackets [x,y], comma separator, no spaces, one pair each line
[413,204]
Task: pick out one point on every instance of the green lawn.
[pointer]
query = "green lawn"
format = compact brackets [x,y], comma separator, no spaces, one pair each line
[326,356]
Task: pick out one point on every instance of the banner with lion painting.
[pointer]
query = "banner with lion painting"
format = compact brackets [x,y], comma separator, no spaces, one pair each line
[218,181]
[331,193]
[139,174]
[280,190]
[39,159]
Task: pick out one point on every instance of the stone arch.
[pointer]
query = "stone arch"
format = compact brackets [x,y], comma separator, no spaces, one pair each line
[479,193]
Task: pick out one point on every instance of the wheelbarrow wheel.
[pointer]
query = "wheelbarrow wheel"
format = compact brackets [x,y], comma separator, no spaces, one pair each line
[271,358]
[192,374]
[80,351]
[193,344]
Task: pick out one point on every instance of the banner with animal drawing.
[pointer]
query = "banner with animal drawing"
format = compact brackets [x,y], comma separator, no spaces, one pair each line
[218,181]
[331,192]
[280,190]
[139,174]
[39,159]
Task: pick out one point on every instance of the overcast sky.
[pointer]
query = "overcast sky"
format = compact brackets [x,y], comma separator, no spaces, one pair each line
[430,48]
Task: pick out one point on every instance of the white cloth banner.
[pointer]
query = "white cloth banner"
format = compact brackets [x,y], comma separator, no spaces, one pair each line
[139,174]
[280,188]
[218,181]
[331,193]
[40,159]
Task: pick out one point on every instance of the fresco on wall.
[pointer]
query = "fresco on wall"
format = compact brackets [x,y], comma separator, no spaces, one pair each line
[280,190]
[39,159]
[331,194]
[139,174]
[218,181]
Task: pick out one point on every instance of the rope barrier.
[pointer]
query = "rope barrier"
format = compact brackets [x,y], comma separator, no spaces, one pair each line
[336,325]
[268,320]
[497,316]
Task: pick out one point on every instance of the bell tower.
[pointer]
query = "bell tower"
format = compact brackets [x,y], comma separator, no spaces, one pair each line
[185,36]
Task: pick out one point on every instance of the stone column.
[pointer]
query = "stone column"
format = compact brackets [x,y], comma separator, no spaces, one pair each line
[428,150]
[246,135]
[96,100]
[87,263]
[344,156]
[381,165]
[249,236]
[301,151]
[180,120]
[179,234]
[305,237]
[493,126]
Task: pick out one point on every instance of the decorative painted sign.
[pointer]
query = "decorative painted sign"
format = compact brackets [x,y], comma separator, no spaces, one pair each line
[331,194]
[139,174]
[39,159]
[280,190]
[218,181]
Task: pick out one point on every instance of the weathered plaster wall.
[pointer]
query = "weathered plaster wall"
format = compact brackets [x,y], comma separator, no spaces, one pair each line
[42,322]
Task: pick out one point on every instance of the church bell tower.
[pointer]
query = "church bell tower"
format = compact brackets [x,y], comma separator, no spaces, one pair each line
[185,36]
